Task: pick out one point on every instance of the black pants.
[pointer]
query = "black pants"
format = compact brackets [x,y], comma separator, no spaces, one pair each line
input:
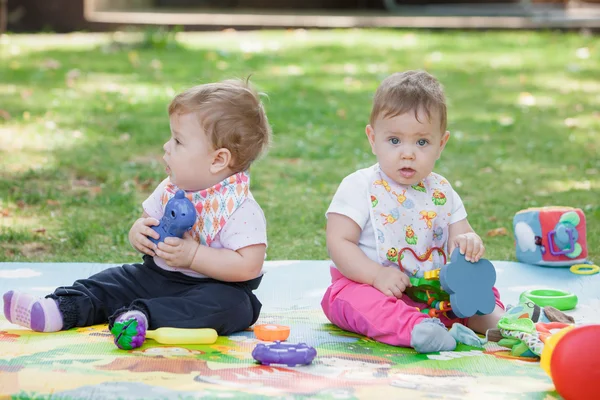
[169,299]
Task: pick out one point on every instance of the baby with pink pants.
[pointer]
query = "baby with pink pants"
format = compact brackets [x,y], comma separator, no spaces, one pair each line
[383,216]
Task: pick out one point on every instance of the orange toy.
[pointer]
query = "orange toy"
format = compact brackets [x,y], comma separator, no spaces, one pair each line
[271,332]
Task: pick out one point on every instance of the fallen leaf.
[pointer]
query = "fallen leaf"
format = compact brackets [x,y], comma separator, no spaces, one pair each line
[50,63]
[156,64]
[493,218]
[4,114]
[81,183]
[143,185]
[39,230]
[26,93]
[497,232]
[341,113]
[52,202]
[487,170]
[71,77]
[522,79]
[4,212]
[7,252]
[34,249]
[21,204]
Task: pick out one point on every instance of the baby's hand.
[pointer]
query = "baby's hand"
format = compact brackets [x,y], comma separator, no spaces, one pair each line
[178,253]
[470,244]
[139,232]
[391,281]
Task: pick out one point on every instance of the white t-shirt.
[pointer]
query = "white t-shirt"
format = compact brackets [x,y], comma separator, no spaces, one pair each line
[351,200]
[247,226]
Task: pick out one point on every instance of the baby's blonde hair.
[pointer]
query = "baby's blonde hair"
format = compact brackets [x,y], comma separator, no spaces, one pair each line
[232,116]
[407,91]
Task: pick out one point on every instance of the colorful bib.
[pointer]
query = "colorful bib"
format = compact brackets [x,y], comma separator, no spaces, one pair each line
[214,205]
[410,217]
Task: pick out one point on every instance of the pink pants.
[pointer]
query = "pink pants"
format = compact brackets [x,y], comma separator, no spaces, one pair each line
[362,309]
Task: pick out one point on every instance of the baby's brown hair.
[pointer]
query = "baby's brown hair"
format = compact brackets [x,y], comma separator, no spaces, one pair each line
[232,116]
[407,91]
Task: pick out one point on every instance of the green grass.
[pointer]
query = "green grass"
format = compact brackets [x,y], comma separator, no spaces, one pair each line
[83,144]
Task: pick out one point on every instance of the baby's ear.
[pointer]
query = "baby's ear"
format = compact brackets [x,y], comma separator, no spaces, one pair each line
[371,136]
[443,142]
[445,138]
[222,159]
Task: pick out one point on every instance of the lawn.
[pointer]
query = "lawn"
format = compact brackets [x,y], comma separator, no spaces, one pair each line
[83,119]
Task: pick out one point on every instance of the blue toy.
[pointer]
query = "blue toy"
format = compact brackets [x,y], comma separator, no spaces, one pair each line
[469,285]
[458,289]
[179,217]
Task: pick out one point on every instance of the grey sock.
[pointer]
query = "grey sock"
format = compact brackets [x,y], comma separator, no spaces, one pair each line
[430,336]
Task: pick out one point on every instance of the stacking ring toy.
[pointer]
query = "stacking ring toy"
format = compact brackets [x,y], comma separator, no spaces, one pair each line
[585,269]
[550,297]
[271,332]
[284,353]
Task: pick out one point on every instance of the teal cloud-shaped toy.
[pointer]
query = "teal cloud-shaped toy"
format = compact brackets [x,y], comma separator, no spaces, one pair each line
[469,285]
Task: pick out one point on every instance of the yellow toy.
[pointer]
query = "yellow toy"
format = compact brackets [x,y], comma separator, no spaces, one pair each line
[183,336]
[549,346]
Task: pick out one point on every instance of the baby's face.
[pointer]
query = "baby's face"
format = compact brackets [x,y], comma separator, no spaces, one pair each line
[188,153]
[406,147]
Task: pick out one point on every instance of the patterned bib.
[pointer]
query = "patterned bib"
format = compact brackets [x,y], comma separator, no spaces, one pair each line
[214,205]
[410,217]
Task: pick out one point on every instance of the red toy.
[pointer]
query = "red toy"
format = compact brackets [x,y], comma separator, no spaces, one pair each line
[575,363]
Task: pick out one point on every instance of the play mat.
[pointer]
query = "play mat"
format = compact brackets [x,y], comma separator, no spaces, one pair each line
[84,363]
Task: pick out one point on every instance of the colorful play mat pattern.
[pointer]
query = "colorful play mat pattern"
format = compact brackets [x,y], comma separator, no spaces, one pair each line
[84,364]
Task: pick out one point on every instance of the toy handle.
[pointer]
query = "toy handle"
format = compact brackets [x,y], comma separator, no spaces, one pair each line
[183,336]
[422,258]
[559,252]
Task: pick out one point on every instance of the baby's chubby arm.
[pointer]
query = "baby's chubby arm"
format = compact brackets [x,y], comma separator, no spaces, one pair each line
[222,264]
[462,235]
[229,265]
[342,243]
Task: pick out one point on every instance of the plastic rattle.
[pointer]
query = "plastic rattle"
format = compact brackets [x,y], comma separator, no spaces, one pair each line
[284,353]
[572,359]
[179,217]
[183,336]
[460,287]
[558,299]
[271,332]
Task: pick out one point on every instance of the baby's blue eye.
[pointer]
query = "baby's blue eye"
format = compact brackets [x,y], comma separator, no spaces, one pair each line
[394,140]
[422,142]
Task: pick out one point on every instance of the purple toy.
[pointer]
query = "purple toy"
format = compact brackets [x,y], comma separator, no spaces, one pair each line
[284,353]
[179,217]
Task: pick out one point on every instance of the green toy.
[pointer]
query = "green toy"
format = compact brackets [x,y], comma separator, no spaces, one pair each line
[457,289]
[523,328]
[558,299]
